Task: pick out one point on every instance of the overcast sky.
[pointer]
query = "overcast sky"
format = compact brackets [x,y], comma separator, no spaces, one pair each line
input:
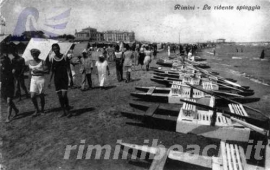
[153,20]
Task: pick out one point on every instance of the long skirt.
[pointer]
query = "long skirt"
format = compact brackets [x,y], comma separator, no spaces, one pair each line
[101,79]
[141,58]
[147,60]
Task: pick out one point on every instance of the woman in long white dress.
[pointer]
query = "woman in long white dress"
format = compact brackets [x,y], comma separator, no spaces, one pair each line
[103,70]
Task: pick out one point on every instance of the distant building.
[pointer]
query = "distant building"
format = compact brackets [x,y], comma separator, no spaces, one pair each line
[92,35]
[115,36]
[100,36]
[221,40]
[87,34]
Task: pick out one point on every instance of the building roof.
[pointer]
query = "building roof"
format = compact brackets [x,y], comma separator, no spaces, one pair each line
[117,31]
[89,28]
[82,32]
[81,39]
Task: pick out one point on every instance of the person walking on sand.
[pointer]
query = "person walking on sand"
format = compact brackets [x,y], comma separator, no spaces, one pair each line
[262,54]
[110,53]
[86,70]
[135,58]
[189,55]
[148,56]
[73,62]
[103,69]
[119,59]
[7,89]
[169,51]
[141,56]
[37,70]
[18,68]
[155,51]
[128,61]
[136,54]
[60,69]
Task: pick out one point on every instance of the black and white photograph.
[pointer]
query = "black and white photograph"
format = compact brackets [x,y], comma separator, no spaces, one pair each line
[135,84]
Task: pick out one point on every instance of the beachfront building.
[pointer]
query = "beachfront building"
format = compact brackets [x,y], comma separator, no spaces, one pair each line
[117,36]
[92,35]
[100,36]
[221,40]
[87,34]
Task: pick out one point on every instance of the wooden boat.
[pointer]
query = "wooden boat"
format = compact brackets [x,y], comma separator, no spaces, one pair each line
[210,74]
[232,157]
[170,95]
[177,57]
[223,85]
[239,100]
[176,63]
[186,69]
[190,78]
[172,70]
[181,74]
[197,118]
[168,80]
[180,91]
[176,88]
[203,71]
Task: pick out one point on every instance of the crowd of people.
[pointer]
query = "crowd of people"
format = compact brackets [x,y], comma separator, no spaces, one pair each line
[183,48]
[62,71]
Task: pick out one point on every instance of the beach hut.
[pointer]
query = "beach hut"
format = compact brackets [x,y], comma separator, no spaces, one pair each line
[44,45]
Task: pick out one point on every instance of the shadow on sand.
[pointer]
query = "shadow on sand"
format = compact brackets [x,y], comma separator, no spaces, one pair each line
[78,112]
[23,115]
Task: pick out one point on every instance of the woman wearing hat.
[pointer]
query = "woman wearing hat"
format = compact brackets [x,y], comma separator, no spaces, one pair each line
[37,70]
[102,68]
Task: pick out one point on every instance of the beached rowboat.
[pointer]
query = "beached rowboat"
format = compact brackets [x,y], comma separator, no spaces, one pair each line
[223,85]
[180,91]
[197,120]
[176,63]
[197,78]
[232,157]
[180,75]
